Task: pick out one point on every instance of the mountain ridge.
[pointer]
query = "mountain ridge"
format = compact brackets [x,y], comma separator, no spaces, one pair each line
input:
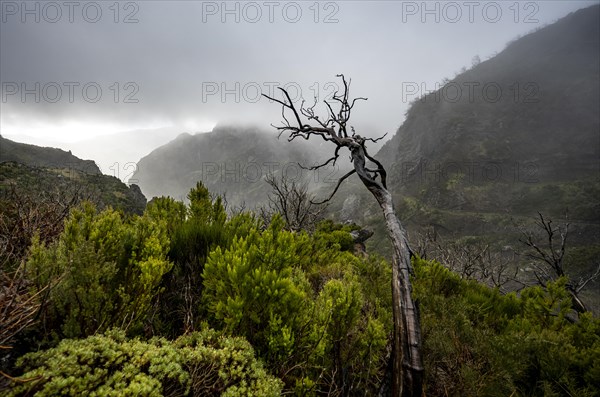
[43,156]
[543,127]
[36,171]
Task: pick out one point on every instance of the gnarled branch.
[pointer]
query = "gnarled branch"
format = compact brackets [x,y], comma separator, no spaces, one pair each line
[407,363]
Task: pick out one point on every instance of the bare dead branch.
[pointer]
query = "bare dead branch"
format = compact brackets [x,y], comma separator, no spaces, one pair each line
[584,281]
[294,203]
[337,186]
[549,258]
[407,364]
[375,140]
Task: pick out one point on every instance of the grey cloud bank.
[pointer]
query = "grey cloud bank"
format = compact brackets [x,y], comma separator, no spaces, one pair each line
[73,70]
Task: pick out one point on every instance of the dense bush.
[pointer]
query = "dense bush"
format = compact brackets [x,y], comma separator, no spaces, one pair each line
[105,271]
[194,231]
[200,364]
[299,300]
[478,342]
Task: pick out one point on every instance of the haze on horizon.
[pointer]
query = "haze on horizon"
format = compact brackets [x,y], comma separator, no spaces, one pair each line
[74,71]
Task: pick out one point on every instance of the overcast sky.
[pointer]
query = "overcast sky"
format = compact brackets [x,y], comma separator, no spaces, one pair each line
[73,70]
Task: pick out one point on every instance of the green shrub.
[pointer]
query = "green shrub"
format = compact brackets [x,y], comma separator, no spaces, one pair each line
[200,364]
[478,342]
[303,305]
[253,290]
[105,271]
[194,231]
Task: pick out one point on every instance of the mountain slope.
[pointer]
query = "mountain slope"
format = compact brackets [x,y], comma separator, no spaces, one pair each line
[43,157]
[227,160]
[44,173]
[549,101]
[39,184]
[525,118]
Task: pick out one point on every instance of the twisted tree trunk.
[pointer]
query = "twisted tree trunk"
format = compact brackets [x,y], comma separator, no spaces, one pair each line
[407,364]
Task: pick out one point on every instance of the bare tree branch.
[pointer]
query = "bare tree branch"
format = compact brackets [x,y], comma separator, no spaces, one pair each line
[550,258]
[584,281]
[294,203]
[407,362]
[337,186]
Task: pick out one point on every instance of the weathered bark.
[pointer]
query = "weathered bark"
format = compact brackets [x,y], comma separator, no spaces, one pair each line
[407,370]
[576,301]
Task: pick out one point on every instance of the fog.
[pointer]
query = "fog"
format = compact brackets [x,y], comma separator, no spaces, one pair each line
[76,71]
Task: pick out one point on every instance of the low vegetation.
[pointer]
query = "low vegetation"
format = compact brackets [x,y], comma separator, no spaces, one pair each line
[186,300]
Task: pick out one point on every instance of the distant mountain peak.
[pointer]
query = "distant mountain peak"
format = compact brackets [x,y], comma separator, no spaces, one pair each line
[230,159]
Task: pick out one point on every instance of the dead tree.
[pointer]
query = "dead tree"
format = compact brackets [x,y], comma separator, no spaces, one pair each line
[407,363]
[549,259]
[293,201]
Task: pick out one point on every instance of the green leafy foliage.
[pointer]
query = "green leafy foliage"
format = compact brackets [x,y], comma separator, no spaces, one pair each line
[334,233]
[300,301]
[203,208]
[252,288]
[194,231]
[169,209]
[318,317]
[478,342]
[106,271]
[200,364]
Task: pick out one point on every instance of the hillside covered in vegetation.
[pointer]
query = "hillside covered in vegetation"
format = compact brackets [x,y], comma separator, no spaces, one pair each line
[515,134]
[186,300]
[44,157]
